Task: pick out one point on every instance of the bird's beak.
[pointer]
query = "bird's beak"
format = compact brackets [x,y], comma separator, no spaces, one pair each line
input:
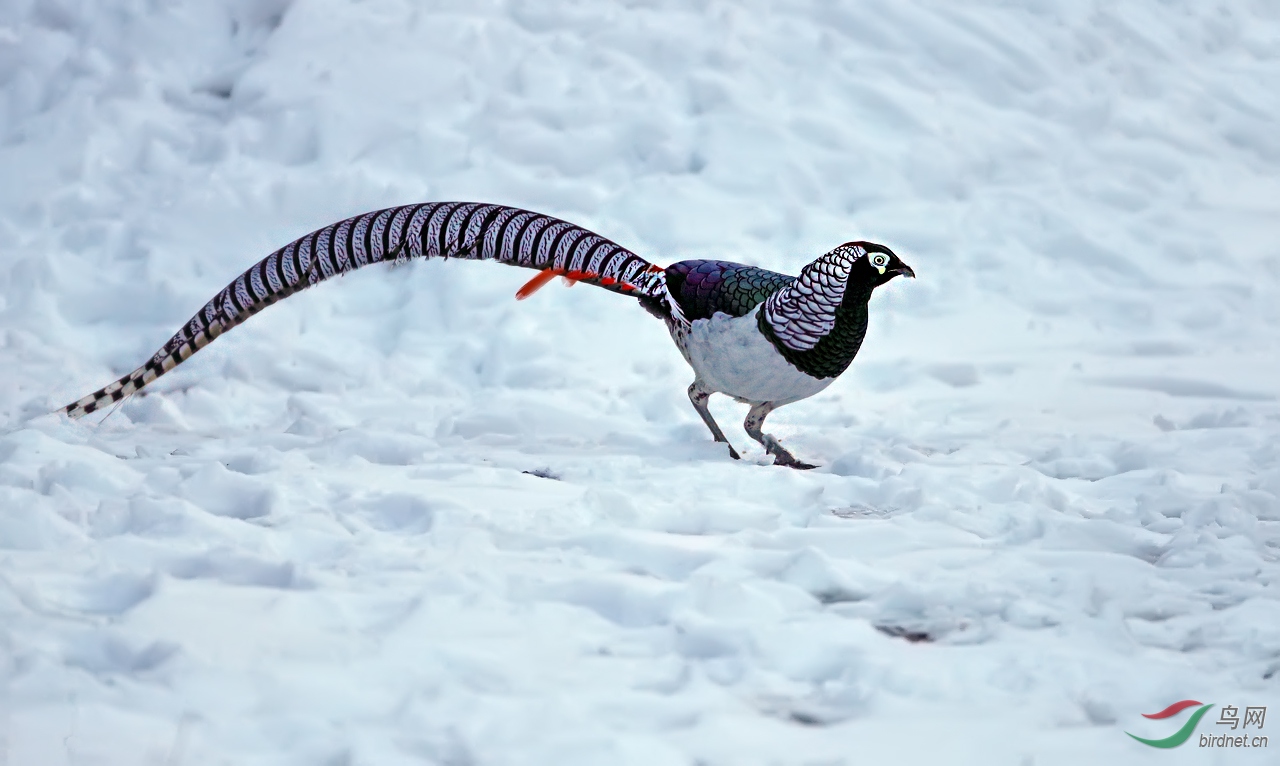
[905,271]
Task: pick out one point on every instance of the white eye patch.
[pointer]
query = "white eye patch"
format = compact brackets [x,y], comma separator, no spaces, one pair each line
[880,261]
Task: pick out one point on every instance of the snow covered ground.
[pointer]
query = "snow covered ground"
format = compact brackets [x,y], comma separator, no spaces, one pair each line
[324,540]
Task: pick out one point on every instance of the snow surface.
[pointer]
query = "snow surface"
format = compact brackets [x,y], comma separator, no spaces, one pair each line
[401,518]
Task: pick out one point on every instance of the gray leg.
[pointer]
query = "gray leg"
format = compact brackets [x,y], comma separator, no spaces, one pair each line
[699,396]
[753,424]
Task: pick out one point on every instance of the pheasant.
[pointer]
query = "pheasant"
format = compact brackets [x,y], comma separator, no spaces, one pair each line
[766,339]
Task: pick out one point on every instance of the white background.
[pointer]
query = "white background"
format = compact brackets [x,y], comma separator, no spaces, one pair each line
[317,543]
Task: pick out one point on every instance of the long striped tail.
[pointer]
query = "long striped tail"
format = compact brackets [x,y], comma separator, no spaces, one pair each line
[467,230]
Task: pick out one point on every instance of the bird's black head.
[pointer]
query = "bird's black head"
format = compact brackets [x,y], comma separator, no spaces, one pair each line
[878,265]
[843,277]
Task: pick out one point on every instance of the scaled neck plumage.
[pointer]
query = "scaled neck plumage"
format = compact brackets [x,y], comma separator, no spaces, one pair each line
[818,322]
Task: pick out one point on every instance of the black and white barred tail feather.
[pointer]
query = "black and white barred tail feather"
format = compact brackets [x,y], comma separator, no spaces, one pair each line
[468,230]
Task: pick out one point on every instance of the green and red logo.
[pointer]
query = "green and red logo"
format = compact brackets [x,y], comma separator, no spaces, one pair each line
[1181,735]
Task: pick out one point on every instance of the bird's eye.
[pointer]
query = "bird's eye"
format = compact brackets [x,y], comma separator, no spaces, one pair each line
[879,259]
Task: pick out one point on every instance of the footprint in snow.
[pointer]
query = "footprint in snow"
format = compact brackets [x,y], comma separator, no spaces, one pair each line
[860,511]
[543,473]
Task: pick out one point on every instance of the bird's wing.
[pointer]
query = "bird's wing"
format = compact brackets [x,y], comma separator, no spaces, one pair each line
[702,288]
[467,230]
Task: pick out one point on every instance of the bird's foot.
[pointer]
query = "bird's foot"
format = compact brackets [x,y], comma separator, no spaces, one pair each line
[733,453]
[799,465]
[782,457]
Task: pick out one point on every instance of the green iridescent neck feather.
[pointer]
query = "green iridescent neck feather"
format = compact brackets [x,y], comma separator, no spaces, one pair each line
[703,288]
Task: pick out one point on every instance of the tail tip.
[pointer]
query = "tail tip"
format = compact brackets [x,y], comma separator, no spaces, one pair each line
[77,410]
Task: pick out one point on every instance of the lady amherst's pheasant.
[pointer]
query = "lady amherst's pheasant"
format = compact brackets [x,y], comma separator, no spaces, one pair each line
[764,338]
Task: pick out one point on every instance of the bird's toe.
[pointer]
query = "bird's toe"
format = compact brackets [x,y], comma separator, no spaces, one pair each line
[782,457]
[796,464]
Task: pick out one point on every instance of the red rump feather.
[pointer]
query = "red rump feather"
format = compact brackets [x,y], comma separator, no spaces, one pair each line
[537,283]
[570,279]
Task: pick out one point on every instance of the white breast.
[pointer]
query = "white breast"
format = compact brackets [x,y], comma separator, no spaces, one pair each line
[731,356]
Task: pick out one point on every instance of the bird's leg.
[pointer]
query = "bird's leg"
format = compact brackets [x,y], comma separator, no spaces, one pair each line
[753,424]
[699,396]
